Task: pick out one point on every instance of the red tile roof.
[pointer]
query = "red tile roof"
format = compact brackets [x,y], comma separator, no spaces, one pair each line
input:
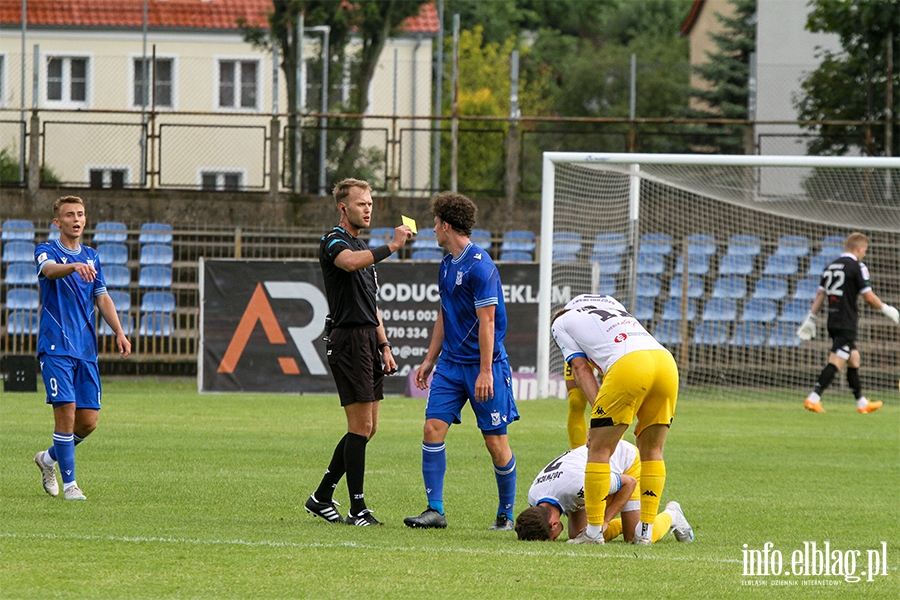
[179,14]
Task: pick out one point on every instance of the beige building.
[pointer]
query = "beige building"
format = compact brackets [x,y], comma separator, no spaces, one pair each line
[214,94]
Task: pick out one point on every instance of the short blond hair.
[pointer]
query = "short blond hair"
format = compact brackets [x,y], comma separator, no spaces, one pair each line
[855,240]
[342,189]
[65,200]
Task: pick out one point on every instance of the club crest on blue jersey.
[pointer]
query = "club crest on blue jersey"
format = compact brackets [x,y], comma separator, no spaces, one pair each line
[459,276]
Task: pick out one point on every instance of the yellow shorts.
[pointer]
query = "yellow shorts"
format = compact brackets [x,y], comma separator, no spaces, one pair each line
[643,384]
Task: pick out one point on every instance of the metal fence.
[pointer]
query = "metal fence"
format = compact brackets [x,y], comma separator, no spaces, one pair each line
[225,151]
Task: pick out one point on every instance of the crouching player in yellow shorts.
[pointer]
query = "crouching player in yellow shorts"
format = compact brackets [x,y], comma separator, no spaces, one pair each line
[639,379]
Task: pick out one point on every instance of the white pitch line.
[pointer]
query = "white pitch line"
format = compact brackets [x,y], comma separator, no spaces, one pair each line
[352,544]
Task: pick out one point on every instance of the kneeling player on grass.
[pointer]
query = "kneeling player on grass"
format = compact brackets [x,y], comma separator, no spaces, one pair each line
[559,490]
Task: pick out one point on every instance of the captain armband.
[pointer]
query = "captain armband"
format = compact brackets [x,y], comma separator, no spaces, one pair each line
[381,252]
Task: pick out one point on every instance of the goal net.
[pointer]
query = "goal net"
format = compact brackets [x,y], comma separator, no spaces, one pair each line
[720,258]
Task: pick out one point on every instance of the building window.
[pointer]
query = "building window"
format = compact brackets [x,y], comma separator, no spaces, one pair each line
[108,178]
[238,84]
[221,181]
[164,81]
[67,80]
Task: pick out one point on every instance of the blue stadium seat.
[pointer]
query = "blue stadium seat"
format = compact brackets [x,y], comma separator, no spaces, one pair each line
[832,249]
[121,300]
[428,254]
[656,243]
[648,287]
[22,323]
[117,276]
[22,299]
[760,311]
[481,238]
[730,287]
[155,233]
[606,286]
[792,245]
[694,287]
[515,256]
[645,309]
[783,335]
[113,254]
[720,309]
[110,232]
[156,254]
[18,252]
[17,230]
[748,334]
[698,264]
[794,311]
[53,234]
[807,288]
[126,320]
[668,332]
[736,264]
[672,310]
[711,333]
[608,244]
[21,274]
[156,324]
[771,288]
[520,240]
[608,264]
[378,236]
[743,245]
[155,276]
[161,302]
[818,263]
[780,264]
[702,243]
[651,264]
[426,238]
[567,242]
[563,257]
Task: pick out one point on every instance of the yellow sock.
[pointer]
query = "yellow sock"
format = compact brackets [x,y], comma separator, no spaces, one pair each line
[653,480]
[596,488]
[576,424]
[613,530]
[661,526]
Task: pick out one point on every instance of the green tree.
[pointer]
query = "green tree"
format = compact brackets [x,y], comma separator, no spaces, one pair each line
[852,84]
[727,73]
[373,21]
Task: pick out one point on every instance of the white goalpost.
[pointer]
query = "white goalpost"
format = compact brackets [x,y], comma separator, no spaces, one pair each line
[717,255]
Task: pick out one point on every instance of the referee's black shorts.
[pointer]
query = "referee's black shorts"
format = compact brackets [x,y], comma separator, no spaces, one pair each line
[356,364]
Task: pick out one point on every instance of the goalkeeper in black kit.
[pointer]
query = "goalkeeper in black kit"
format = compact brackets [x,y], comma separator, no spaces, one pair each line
[843,281]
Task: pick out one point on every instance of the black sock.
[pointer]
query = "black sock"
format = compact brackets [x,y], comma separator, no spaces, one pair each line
[333,474]
[355,462]
[825,378]
[853,380]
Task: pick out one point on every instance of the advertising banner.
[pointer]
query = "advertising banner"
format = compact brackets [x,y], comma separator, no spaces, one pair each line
[262,322]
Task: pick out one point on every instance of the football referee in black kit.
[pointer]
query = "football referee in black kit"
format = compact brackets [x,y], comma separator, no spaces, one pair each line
[359,353]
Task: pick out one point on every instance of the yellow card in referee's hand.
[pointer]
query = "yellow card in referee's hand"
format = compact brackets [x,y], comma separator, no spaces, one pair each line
[411,223]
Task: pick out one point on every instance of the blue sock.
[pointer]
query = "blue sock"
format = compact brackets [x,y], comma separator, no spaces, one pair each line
[506,487]
[64,445]
[52,451]
[434,465]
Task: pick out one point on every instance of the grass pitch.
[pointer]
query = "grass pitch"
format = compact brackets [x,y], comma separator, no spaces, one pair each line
[194,496]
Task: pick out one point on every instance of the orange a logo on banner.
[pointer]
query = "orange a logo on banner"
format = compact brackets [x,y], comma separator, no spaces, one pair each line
[258,310]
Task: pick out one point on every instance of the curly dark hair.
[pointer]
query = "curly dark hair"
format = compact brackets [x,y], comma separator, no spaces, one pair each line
[455,209]
[533,524]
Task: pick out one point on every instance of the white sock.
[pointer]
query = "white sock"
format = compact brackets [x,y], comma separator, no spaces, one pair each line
[68,486]
[644,530]
[814,397]
[594,531]
[862,402]
[48,462]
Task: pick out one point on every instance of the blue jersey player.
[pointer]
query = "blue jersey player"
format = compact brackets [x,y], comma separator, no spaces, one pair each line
[71,281]
[468,337]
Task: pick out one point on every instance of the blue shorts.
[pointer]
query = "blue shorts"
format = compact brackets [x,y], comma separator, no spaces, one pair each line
[71,380]
[454,385]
